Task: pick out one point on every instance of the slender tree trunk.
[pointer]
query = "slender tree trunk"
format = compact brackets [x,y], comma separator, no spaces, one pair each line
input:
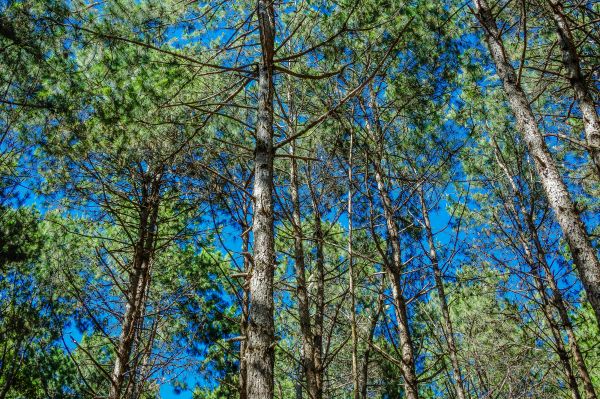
[128,331]
[557,298]
[439,283]
[549,316]
[308,355]
[319,240]
[559,304]
[483,381]
[298,385]
[364,381]
[355,375]
[261,329]
[394,269]
[6,388]
[558,338]
[394,266]
[591,121]
[138,283]
[9,376]
[573,229]
[141,351]
[146,366]
[244,316]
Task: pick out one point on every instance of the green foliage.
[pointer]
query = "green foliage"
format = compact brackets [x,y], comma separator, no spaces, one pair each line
[114,111]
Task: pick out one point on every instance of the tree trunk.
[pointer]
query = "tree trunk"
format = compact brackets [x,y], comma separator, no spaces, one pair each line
[439,284]
[393,266]
[261,329]
[244,316]
[559,304]
[558,338]
[394,269]
[548,314]
[591,121]
[128,330]
[355,375]
[367,353]
[557,299]
[138,282]
[583,253]
[141,351]
[319,241]
[308,355]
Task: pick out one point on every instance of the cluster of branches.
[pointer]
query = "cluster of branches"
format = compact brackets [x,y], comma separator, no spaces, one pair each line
[299,199]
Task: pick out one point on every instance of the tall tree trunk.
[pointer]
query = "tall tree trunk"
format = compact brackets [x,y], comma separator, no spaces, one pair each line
[308,355]
[138,282]
[393,266]
[549,316]
[573,229]
[556,333]
[557,298]
[591,121]
[141,350]
[319,240]
[559,304]
[364,381]
[128,330]
[261,329]
[394,269]
[439,284]
[355,375]
[243,382]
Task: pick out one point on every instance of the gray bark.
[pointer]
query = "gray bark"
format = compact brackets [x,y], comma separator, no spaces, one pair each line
[354,337]
[394,265]
[243,381]
[261,330]
[570,57]
[364,381]
[584,255]
[319,240]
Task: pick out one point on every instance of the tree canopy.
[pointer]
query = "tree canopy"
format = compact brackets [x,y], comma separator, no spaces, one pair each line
[299,199]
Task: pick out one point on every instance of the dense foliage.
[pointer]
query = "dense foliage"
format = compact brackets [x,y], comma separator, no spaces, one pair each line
[299,199]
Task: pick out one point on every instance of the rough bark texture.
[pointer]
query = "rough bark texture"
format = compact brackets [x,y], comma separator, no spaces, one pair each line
[142,347]
[439,284]
[138,283]
[591,121]
[261,330]
[319,241]
[584,255]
